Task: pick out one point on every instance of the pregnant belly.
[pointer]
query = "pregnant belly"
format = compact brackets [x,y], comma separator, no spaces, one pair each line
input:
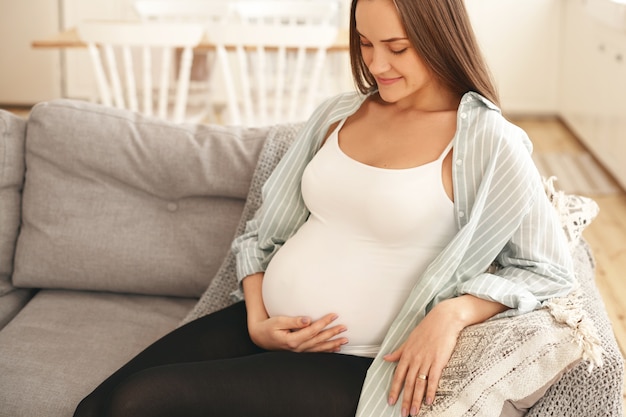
[365,286]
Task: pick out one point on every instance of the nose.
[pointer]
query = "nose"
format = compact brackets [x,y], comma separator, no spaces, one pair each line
[379,61]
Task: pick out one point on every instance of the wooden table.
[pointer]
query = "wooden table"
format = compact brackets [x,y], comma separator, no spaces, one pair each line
[69,39]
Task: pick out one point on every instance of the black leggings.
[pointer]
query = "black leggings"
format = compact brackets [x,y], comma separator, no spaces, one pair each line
[210,367]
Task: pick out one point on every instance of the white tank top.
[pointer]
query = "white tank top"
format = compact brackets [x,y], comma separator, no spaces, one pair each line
[371,234]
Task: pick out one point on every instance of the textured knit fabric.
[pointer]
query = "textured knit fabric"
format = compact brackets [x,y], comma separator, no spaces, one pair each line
[501,367]
[580,392]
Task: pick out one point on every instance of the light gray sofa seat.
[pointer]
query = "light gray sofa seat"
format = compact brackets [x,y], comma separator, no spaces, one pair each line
[64,343]
[115,228]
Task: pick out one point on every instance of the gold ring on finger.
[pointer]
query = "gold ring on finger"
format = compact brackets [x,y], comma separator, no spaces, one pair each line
[423,377]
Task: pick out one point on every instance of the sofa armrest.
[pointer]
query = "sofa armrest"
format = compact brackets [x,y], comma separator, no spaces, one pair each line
[579,392]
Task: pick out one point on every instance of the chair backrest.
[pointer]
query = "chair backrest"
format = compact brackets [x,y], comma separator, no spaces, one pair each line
[140,44]
[292,12]
[200,11]
[271,73]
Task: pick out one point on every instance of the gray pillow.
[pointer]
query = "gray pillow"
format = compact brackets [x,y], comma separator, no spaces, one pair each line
[115,201]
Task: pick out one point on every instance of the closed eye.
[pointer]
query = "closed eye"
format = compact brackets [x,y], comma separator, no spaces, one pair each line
[399,52]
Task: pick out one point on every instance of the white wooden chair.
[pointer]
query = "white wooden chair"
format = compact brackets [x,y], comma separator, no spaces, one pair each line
[290,12]
[198,11]
[142,44]
[271,73]
[265,95]
[202,91]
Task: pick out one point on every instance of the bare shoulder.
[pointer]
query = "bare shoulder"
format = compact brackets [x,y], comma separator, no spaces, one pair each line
[330,131]
[366,115]
[358,118]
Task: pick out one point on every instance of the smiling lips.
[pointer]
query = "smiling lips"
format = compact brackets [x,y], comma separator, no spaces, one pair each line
[387,81]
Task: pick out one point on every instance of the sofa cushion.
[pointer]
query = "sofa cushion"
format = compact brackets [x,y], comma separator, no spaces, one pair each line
[64,343]
[120,202]
[12,131]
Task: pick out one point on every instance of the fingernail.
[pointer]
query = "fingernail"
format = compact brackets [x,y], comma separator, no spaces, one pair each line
[429,401]
[414,411]
[391,401]
[306,320]
[404,413]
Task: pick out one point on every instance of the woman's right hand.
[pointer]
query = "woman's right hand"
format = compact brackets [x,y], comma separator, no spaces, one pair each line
[297,334]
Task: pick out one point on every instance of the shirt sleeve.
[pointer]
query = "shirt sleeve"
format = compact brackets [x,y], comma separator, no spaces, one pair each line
[535,264]
[513,223]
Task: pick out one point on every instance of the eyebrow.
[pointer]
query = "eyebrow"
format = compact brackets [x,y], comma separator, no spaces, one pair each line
[390,40]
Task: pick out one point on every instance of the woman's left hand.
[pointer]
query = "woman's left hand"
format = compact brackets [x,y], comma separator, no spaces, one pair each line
[422,358]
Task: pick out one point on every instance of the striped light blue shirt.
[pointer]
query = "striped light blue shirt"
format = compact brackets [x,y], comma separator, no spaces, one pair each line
[502,214]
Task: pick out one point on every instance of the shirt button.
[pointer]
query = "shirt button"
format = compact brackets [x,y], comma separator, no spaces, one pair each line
[172,206]
[459,162]
[461,214]
[463,115]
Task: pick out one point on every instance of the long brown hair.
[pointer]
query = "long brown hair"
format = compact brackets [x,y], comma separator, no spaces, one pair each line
[442,35]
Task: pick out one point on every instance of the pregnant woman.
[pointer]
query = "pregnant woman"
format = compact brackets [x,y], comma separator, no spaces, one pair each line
[370,252]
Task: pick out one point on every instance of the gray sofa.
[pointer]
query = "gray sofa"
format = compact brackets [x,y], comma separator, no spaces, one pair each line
[113,226]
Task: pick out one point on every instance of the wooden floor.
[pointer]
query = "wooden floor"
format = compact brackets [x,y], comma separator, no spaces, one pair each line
[607,233]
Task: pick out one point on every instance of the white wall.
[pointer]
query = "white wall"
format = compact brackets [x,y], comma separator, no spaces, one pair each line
[78,73]
[593,80]
[520,39]
[27,75]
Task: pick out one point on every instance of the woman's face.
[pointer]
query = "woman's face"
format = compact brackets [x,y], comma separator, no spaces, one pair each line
[400,73]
